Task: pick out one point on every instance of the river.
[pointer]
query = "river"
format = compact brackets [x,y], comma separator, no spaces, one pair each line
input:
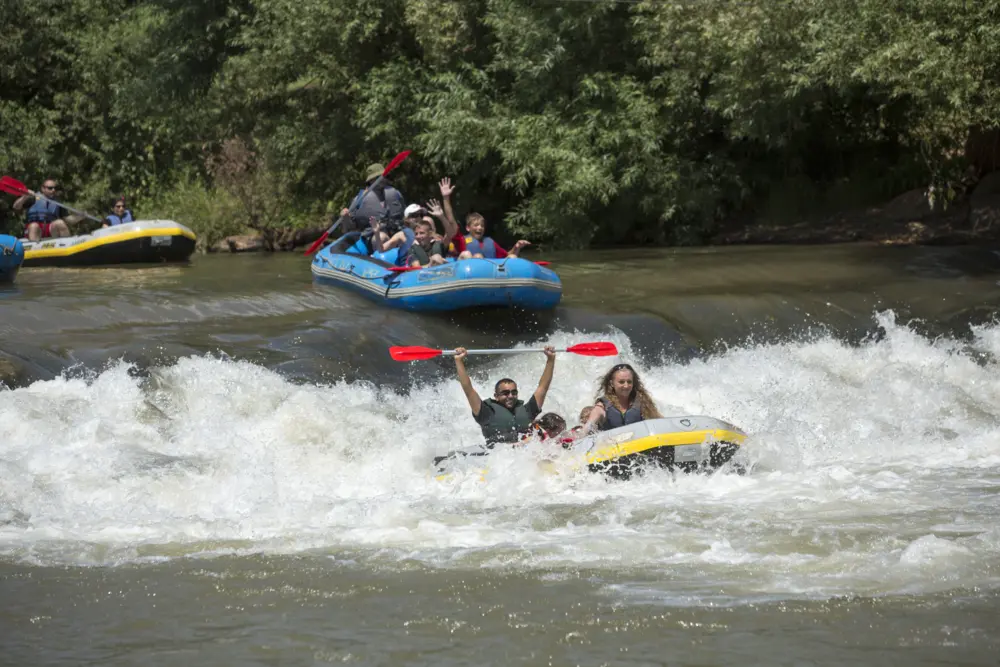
[218,463]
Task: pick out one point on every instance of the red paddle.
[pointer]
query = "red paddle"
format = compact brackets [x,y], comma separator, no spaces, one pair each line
[389,167]
[418,353]
[12,186]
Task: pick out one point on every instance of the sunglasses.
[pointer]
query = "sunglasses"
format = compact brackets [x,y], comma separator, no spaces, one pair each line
[507,392]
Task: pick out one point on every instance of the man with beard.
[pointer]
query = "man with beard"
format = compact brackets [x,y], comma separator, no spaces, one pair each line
[504,418]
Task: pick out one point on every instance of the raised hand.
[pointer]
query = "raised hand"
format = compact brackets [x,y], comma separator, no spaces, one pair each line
[446,188]
[434,207]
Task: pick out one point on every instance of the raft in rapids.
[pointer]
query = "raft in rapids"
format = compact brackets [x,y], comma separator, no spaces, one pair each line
[685,443]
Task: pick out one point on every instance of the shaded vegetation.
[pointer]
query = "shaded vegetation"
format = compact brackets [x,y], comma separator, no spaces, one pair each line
[565,121]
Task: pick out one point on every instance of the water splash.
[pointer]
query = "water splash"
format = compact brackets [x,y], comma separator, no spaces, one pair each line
[873,470]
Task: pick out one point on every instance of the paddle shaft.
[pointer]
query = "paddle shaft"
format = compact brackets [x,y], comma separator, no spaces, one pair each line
[70,208]
[28,192]
[395,162]
[451,353]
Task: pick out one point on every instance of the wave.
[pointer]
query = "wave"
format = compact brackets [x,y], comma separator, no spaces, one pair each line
[872,468]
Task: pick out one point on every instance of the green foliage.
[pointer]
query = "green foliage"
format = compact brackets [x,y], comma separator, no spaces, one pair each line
[562,121]
[212,213]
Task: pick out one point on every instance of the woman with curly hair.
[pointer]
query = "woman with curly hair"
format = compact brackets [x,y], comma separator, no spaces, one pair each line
[622,400]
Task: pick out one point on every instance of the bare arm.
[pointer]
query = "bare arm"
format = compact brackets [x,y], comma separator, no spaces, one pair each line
[397,240]
[475,402]
[377,236]
[451,225]
[22,200]
[546,379]
[513,252]
[435,209]
[596,416]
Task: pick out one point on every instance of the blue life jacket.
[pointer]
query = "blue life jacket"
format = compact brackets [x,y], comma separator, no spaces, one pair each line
[43,210]
[487,248]
[115,220]
[397,256]
[404,249]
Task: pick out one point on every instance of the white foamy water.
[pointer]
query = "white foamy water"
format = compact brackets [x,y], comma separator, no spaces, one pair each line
[873,469]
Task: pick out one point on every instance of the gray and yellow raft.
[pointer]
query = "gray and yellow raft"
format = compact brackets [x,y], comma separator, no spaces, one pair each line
[142,241]
[685,443]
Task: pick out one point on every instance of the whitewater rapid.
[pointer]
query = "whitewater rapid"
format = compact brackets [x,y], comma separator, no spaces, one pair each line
[873,469]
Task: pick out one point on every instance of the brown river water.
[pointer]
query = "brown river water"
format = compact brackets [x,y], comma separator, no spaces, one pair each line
[218,463]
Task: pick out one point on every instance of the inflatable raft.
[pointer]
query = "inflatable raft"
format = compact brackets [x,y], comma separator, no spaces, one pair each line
[685,443]
[150,241]
[463,284]
[11,257]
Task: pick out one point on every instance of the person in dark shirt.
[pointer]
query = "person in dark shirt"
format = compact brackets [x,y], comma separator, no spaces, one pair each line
[425,251]
[504,418]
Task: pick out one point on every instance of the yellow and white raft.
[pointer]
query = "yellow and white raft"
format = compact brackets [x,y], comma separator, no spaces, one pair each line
[685,443]
[147,241]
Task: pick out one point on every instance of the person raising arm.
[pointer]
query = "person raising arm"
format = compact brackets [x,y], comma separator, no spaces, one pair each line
[503,418]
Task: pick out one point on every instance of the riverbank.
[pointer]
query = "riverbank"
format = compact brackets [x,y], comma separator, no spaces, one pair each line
[905,220]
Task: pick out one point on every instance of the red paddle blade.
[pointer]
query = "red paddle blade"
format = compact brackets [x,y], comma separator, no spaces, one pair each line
[542,263]
[594,349]
[413,353]
[317,243]
[13,186]
[395,162]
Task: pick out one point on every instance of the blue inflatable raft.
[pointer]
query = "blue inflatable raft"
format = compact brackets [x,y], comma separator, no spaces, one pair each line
[11,258]
[469,283]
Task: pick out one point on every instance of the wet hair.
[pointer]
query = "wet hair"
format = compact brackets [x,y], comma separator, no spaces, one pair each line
[423,222]
[639,394]
[551,423]
[474,217]
[585,414]
[496,387]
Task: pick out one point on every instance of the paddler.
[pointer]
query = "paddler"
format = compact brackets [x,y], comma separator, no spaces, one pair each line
[45,218]
[378,199]
[504,418]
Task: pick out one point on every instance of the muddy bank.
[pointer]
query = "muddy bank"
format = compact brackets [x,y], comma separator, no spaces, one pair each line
[908,219]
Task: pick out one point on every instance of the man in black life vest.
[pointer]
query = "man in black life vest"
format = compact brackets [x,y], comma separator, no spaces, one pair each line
[504,418]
